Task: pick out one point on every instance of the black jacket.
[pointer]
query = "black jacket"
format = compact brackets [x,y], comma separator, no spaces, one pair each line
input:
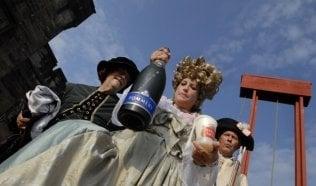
[84,102]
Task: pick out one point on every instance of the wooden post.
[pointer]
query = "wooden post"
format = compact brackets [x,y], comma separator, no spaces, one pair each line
[293,92]
[252,123]
[300,161]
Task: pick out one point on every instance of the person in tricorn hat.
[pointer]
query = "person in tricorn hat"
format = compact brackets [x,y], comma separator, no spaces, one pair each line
[231,135]
[80,101]
[89,104]
[92,103]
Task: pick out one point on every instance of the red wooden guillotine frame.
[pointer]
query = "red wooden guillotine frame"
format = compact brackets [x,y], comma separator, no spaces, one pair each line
[293,92]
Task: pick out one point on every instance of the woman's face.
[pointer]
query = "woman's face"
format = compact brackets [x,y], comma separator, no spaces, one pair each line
[186,94]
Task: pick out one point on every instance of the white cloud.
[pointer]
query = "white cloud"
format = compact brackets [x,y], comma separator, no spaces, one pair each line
[142,3]
[266,60]
[313,61]
[301,51]
[230,46]
[311,151]
[260,173]
[270,13]
[223,53]
[272,35]
[84,46]
[135,4]
[311,26]
[311,165]
[293,33]
[229,72]
[284,169]
[288,43]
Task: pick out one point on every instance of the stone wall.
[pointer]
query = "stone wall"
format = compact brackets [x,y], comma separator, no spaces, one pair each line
[26,60]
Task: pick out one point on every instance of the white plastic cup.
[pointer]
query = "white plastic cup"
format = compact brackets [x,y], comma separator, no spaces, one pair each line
[205,127]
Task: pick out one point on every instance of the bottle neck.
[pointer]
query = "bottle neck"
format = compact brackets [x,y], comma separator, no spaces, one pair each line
[159,63]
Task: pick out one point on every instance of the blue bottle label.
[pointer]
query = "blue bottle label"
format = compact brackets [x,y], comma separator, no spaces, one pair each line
[141,99]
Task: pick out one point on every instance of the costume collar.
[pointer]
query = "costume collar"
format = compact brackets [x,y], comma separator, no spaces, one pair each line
[186,118]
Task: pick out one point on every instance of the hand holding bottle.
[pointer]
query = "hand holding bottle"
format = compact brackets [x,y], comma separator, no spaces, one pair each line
[140,103]
[162,54]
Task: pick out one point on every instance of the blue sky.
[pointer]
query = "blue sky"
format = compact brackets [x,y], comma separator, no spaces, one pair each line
[264,37]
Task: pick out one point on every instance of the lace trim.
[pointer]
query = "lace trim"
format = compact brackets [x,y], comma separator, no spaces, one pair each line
[186,118]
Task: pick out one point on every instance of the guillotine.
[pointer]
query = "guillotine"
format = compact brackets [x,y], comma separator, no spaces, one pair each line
[293,92]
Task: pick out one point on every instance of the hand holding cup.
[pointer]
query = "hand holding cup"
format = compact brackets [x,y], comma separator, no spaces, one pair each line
[205,146]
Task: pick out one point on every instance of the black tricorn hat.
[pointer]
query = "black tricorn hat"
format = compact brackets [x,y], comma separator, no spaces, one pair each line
[228,124]
[118,62]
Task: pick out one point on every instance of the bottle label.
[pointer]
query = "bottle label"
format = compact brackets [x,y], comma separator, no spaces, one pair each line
[141,99]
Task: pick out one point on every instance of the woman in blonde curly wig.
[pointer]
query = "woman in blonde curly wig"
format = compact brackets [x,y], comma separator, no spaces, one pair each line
[207,78]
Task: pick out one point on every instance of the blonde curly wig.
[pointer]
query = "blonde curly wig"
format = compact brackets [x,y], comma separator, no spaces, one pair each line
[208,77]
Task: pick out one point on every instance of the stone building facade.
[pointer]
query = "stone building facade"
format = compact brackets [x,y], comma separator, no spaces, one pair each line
[26,59]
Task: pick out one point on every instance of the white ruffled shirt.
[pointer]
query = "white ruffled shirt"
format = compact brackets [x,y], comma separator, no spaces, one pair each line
[167,105]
